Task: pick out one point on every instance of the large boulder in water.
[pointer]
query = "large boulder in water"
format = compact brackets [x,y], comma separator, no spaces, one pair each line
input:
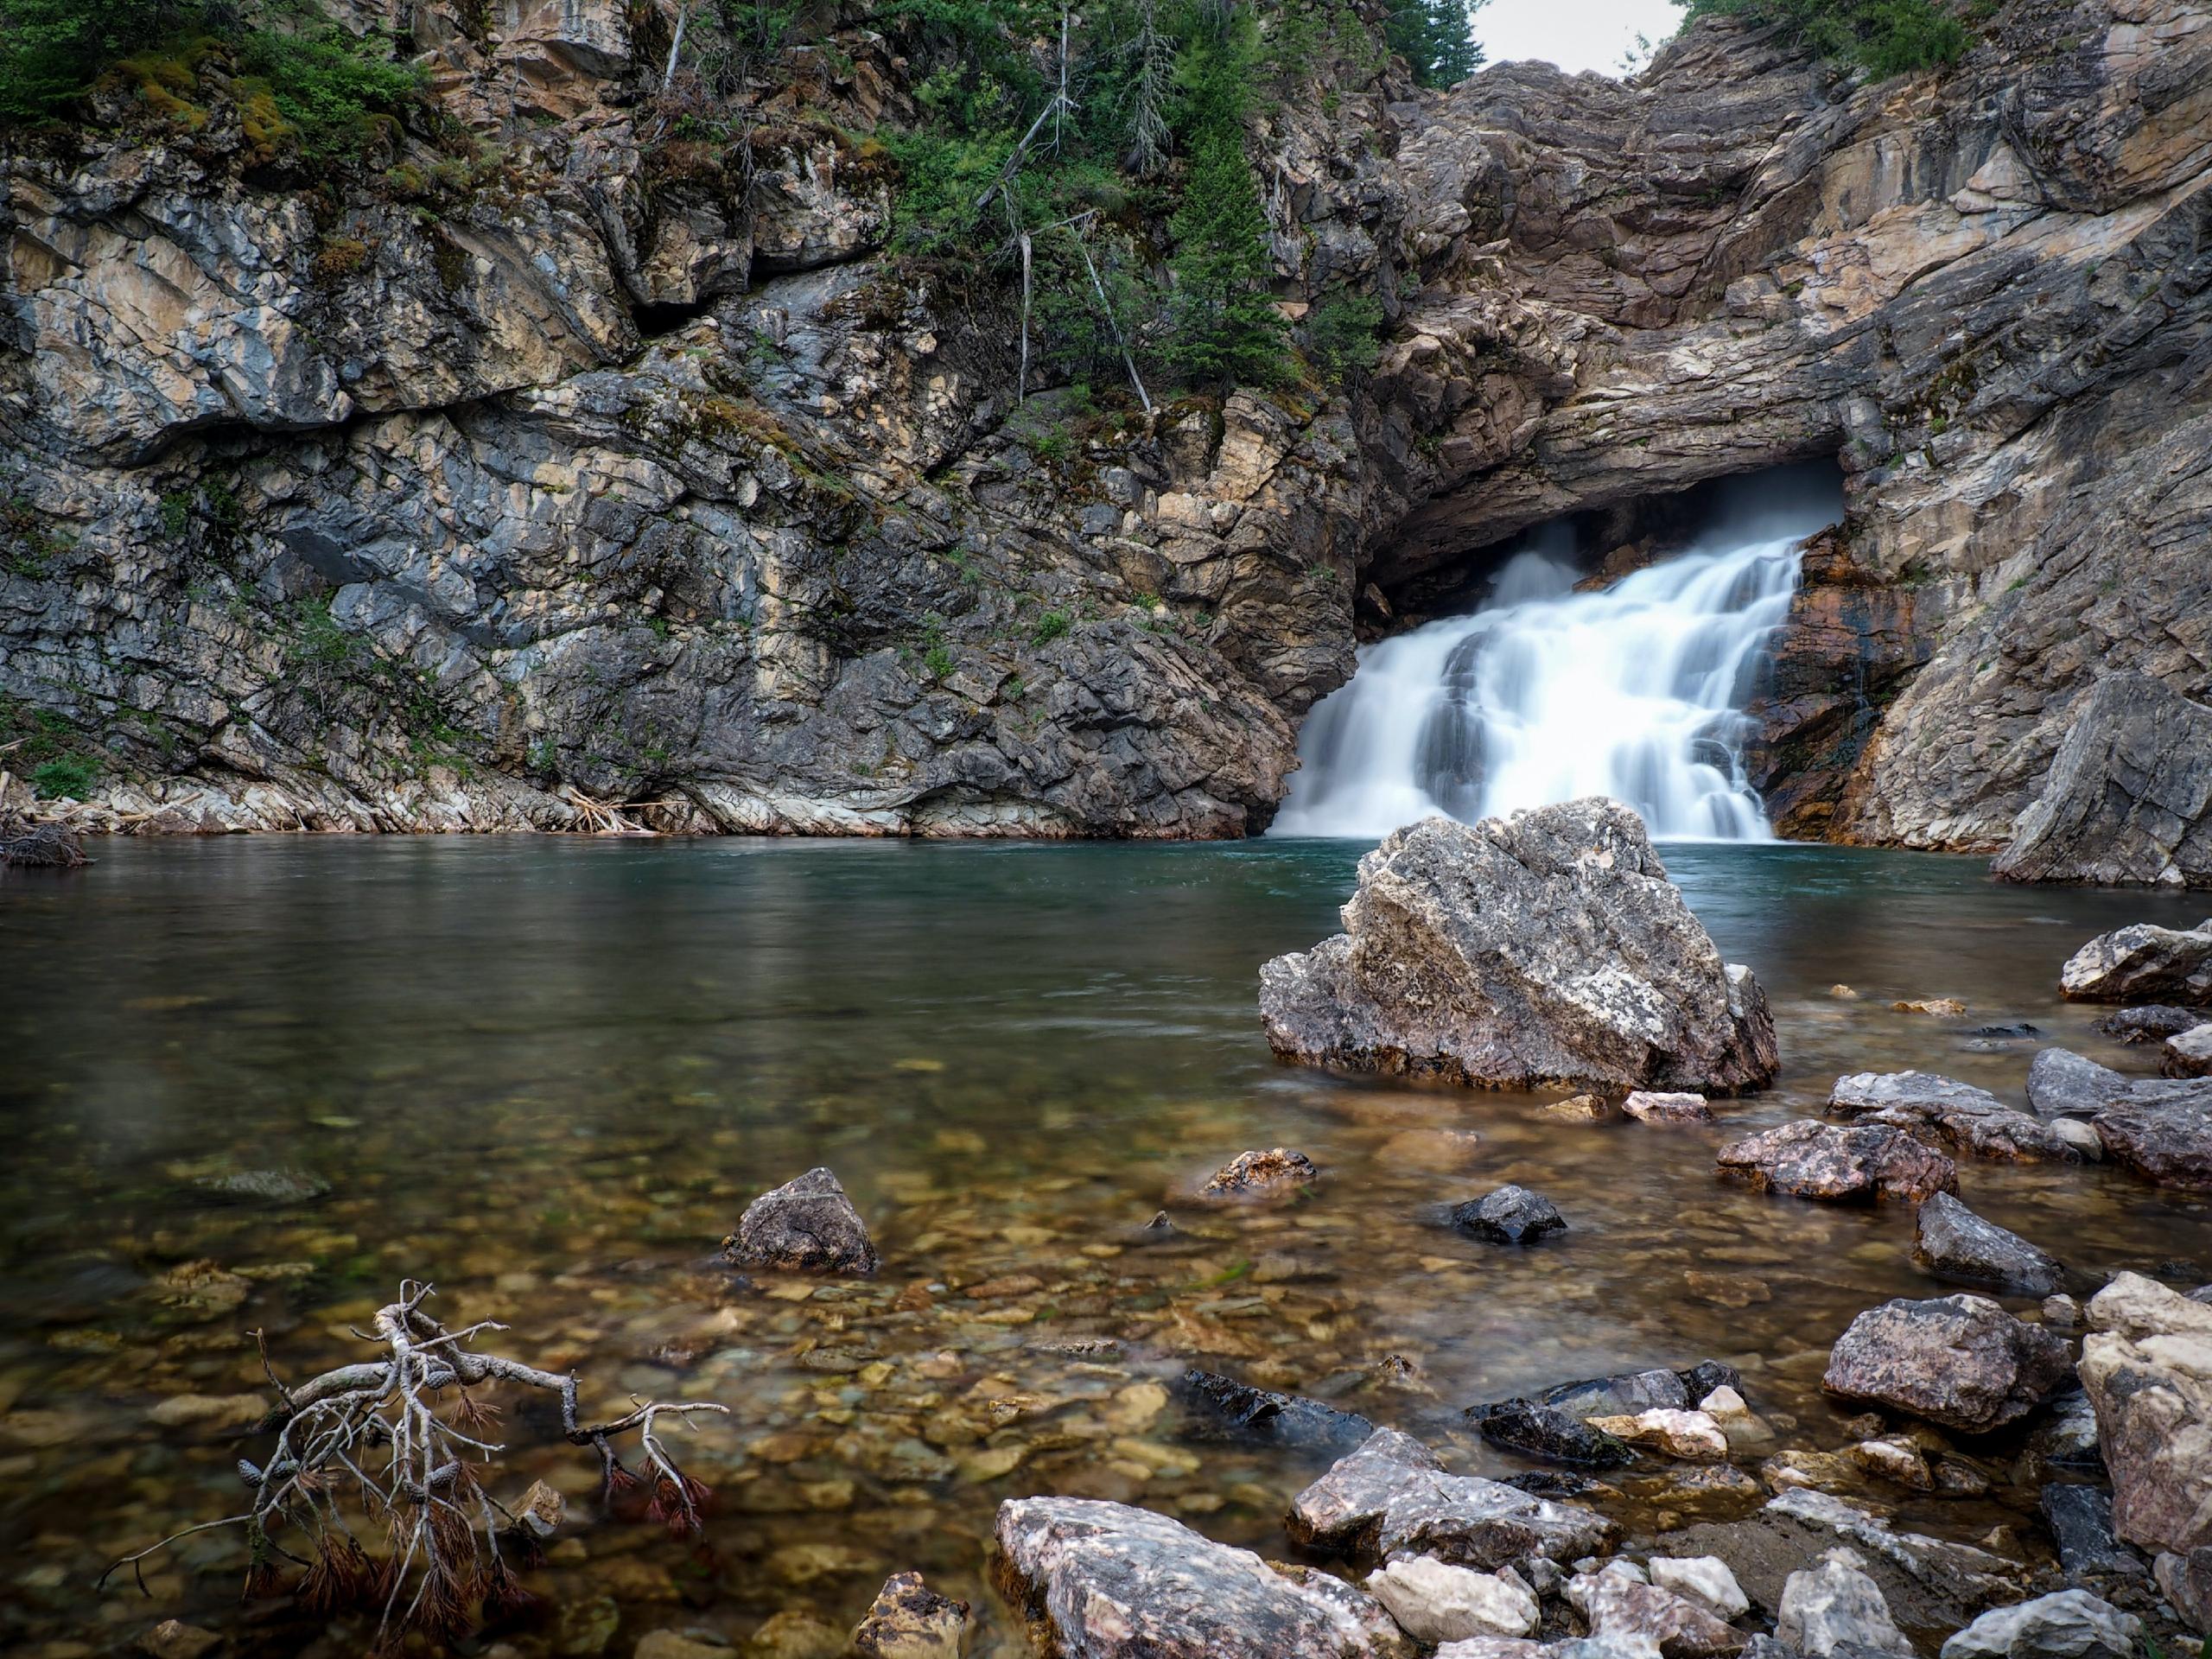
[1548,947]
[1961,1361]
[2128,798]
[2143,964]
[1102,1580]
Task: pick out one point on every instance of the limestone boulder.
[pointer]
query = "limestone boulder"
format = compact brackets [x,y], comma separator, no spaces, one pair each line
[2147,1366]
[1100,1580]
[2143,964]
[1833,1605]
[1546,948]
[2163,1131]
[2068,1624]
[1435,1601]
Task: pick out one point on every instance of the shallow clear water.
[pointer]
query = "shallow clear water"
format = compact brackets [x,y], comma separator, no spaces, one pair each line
[548,1075]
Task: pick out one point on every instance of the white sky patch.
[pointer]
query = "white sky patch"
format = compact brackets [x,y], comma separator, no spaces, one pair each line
[1576,34]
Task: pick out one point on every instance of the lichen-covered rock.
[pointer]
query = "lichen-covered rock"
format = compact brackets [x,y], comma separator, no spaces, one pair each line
[2128,798]
[1966,1119]
[1952,1242]
[1271,1173]
[1392,1496]
[807,1224]
[1548,947]
[1105,1581]
[909,1620]
[1807,1158]
[1961,1361]
[2143,964]
[2147,1366]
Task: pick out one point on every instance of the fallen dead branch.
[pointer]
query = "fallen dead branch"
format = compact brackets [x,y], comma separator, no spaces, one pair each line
[394,1445]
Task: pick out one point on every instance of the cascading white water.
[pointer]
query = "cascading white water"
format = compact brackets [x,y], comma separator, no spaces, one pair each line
[1544,694]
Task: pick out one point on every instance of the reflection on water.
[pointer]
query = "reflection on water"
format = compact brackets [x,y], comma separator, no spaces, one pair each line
[547,1074]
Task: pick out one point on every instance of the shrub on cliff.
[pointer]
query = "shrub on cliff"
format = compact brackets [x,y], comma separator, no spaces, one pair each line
[299,80]
[1885,37]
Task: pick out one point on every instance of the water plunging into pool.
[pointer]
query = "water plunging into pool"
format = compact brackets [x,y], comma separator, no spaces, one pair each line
[1545,694]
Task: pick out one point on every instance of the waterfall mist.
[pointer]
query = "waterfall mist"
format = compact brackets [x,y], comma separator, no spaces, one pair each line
[1544,694]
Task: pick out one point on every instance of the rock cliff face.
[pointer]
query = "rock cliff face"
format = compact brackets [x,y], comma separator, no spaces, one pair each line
[602,472]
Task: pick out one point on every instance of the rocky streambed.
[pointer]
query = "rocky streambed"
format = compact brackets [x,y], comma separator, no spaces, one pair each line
[552,1077]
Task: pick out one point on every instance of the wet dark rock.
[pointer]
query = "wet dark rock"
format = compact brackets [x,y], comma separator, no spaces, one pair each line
[1961,1116]
[2003,1033]
[2079,1520]
[2188,1054]
[1546,1432]
[2128,798]
[2061,1084]
[909,1620]
[1556,1483]
[1227,1406]
[1102,1580]
[1628,1392]
[2153,1024]
[1545,948]
[266,1186]
[1261,1174]
[1951,1241]
[807,1224]
[1511,1215]
[2068,1624]
[2147,1366]
[2163,1131]
[1961,1361]
[1861,1163]
[1392,1496]
[1707,1374]
[2143,964]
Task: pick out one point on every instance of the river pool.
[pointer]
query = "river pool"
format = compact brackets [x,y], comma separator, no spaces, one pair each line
[547,1074]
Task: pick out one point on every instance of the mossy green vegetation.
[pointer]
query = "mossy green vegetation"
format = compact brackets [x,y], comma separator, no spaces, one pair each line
[302,85]
[1884,37]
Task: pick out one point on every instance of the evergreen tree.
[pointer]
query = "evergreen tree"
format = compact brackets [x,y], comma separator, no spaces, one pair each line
[1224,324]
[1436,38]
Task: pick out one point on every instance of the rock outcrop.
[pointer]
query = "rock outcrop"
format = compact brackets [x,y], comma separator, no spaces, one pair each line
[1548,947]
[602,478]
[2129,796]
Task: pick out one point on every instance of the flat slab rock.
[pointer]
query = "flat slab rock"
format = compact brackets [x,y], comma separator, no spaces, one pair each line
[1961,1361]
[1961,1116]
[1392,1496]
[1951,1241]
[2061,1084]
[1103,1580]
[1840,1164]
[1545,948]
[807,1225]
[2143,964]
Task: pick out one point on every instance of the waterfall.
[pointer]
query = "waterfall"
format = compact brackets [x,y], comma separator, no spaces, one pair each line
[1544,694]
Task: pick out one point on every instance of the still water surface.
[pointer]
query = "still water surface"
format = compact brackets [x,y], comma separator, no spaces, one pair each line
[547,1074]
